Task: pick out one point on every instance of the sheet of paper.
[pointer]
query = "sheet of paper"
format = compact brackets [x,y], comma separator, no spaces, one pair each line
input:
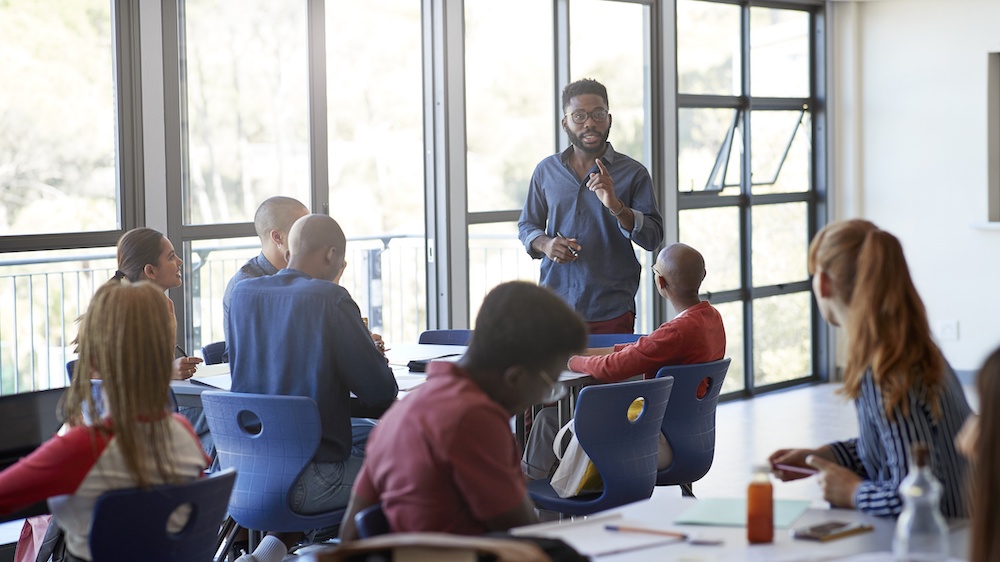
[732,512]
[223,382]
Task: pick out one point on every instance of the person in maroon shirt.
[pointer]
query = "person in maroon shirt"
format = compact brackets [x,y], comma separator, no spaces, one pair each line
[444,459]
[695,335]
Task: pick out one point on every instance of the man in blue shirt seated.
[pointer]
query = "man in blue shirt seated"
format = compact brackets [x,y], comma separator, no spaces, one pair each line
[585,207]
[300,333]
[272,221]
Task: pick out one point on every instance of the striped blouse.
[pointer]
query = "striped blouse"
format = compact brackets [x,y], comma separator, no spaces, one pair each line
[880,452]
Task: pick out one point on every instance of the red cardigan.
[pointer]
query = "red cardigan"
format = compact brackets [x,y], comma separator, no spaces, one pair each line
[694,336]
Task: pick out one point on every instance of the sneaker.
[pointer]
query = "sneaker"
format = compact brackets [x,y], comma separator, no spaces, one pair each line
[246,558]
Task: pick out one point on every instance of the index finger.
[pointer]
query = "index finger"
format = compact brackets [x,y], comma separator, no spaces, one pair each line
[600,166]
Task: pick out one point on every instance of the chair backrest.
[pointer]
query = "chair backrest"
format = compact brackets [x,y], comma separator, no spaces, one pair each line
[213,352]
[268,440]
[623,451]
[689,422]
[609,340]
[445,337]
[132,524]
[70,367]
[371,522]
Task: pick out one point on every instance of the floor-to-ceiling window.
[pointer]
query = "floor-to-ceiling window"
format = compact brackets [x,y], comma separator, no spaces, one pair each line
[395,116]
[750,164]
[66,183]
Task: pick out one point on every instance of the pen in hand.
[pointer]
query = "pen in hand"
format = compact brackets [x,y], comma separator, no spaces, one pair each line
[568,247]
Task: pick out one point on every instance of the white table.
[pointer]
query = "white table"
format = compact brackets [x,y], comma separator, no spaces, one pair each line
[589,536]
[189,393]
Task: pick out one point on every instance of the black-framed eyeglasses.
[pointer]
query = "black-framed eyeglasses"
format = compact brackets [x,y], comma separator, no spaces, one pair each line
[600,115]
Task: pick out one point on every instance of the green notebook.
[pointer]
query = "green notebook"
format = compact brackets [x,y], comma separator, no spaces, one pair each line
[732,512]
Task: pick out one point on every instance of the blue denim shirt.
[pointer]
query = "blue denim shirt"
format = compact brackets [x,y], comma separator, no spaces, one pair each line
[294,335]
[601,283]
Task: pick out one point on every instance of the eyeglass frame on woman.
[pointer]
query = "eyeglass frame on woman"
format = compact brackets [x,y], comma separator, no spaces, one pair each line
[556,390]
[588,115]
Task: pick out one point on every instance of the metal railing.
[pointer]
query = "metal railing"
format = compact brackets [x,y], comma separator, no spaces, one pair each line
[41,298]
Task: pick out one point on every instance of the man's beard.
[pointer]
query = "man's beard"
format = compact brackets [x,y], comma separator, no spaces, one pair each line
[577,142]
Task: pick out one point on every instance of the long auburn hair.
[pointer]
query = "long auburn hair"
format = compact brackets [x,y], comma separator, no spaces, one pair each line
[887,328]
[984,542]
[127,336]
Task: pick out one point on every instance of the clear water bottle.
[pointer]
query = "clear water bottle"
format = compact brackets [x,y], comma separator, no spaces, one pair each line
[921,531]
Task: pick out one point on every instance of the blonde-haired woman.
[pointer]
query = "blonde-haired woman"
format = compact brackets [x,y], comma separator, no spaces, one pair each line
[127,335]
[903,388]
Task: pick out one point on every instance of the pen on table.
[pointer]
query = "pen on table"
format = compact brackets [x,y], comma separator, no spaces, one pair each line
[571,250]
[796,469]
[626,529]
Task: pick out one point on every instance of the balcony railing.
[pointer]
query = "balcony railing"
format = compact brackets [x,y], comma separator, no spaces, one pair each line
[41,298]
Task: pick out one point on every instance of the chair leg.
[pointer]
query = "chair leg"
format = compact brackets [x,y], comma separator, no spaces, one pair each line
[687,490]
[227,536]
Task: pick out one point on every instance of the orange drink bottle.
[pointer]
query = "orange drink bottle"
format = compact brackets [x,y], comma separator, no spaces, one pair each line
[760,506]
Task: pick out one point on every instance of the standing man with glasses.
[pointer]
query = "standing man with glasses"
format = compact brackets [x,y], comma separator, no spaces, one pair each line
[585,207]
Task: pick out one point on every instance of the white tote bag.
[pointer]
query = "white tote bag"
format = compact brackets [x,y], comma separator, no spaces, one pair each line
[575,474]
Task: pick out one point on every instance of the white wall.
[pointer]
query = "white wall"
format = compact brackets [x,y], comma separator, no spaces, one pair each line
[909,87]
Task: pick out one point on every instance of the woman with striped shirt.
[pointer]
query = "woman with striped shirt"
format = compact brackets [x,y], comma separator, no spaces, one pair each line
[904,390]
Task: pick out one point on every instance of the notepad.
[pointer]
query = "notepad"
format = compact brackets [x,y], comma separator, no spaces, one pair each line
[732,512]
[222,382]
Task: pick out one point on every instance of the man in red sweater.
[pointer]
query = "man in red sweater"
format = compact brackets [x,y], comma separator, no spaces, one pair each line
[695,335]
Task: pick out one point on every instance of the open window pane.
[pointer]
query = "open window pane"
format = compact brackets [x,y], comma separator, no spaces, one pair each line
[607,43]
[779,53]
[510,111]
[716,234]
[708,48]
[780,243]
[782,347]
[781,152]
[247,107]
[57,118]
[708,150]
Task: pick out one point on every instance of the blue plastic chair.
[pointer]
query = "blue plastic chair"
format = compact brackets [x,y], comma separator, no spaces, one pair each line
[131,524]
[609,340]
[623,451]
[371,522]
[268,440]
[213,353]
[689,422]
[445,337]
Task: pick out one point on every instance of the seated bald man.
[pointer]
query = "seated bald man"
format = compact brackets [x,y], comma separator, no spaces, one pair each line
[695,335]
[272,221]
[298,332]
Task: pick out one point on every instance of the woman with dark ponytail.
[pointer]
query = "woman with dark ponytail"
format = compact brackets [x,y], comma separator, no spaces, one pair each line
[145,254]
[902,387]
